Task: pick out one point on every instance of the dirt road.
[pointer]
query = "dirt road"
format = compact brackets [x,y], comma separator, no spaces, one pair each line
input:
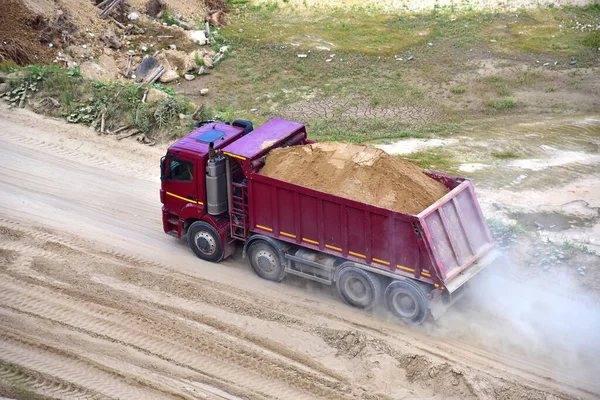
[97,302]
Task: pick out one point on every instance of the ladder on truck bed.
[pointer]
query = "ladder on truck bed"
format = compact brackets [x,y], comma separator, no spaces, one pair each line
[239,211]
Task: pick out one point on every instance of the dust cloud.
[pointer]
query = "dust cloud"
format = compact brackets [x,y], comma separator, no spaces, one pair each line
[540,317]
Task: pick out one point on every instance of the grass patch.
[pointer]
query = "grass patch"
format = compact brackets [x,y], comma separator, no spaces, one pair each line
[504,104]
[573,248]
[437,159]
[458,89]
[504,155]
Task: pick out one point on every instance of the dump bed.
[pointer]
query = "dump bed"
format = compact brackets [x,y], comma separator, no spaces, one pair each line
[443,245]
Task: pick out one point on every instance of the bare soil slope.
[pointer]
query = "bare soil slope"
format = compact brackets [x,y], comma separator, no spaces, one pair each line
[356,172]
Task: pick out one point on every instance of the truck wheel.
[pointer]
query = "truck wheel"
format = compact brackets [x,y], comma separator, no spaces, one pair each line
[358,288]
[407,301]
[265,261]
[205,241]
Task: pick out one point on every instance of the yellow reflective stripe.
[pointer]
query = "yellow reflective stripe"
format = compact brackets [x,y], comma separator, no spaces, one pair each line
[287,234]
[357,254]
[184,199]
[310,241]
[264,227]
[405,268]
[234,155]
[377,260]
[333,247]
[426,274]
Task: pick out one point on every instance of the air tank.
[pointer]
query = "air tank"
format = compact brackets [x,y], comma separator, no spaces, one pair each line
[216,185]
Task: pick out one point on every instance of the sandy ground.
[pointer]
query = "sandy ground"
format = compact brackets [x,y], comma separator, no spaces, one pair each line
[97,302]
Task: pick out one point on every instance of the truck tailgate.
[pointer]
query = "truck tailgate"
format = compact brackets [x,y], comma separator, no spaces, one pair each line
[457,235]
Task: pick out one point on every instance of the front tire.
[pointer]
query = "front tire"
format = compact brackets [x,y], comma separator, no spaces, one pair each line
[205,241]
[408,301]
[265,261]
[358,288]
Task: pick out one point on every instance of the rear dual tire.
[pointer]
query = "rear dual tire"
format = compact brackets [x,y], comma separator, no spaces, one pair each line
[265,261]
[359,288]
[408,301]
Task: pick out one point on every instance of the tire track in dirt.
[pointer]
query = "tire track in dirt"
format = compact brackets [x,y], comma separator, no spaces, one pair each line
[118,328]
[44,384]
[69,370]
[454,350]
[55,149]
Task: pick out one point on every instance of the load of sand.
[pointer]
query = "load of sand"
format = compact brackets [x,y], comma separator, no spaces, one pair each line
[356,172]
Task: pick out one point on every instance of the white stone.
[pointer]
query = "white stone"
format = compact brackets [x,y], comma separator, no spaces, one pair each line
[198,37]
[204,92]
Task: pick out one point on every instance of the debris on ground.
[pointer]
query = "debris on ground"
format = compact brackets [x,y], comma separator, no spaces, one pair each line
[356,172]
[112,39]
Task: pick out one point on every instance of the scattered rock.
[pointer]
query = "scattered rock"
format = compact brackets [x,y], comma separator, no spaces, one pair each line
[169,76]
[215,18]
[3,87]
[302,55]
[198,37]
[180,61]
[242,31]
[253,109]
[105,69]
[224,49]
[155,95]
[189,77]
[155,7]
[111,40]
[202,71]
[430,44]
[172,47]
[328,60]
[133,16]
[204,92]
[546,64]
[573,62]
[492,40]
[147,65]
[410,58]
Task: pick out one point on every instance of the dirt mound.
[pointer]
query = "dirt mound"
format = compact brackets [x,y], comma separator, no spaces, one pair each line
[356,172]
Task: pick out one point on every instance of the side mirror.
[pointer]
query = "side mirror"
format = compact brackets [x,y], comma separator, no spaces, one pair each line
[163,176]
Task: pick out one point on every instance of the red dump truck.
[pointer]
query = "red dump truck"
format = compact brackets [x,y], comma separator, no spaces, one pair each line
[417,265]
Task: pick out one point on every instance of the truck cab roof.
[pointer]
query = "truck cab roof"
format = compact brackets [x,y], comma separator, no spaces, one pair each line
[197,142]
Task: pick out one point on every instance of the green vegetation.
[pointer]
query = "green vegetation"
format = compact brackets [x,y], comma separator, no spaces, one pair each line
[504,155]
[458,89]
[84,101]
[199,61]
[573,248]
[438,159]
[168,90]
[8,66]
[503,104]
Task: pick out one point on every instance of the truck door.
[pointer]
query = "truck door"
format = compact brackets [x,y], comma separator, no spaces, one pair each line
[179,183]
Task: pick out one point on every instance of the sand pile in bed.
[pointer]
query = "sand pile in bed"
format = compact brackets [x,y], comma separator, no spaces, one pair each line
[356,172]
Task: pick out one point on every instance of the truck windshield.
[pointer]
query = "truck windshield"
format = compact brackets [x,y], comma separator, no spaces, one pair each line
[180,170]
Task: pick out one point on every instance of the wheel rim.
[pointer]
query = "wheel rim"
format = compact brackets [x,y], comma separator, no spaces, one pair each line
[405,304]
[356,290]
[206,243]
[265,261]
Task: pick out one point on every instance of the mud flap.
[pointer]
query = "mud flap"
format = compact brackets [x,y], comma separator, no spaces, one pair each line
[441,302]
